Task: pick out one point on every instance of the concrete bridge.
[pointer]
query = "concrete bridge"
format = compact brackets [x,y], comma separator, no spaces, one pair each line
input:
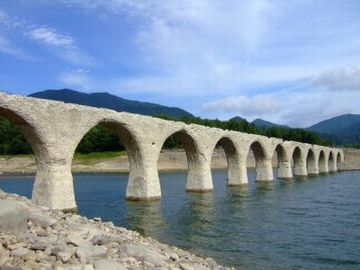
[54,129]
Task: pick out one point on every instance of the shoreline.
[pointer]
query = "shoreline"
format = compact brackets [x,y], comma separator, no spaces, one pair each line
[169,161]
[35,237]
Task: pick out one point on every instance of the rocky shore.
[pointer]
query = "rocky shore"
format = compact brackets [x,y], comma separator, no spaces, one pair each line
[33,237]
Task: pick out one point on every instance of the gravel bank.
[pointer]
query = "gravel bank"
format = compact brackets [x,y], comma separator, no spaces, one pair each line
[33,237]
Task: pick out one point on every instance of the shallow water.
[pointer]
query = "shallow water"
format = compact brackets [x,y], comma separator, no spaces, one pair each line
[306,223]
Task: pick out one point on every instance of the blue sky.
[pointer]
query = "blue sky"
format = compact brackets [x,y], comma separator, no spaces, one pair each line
[292,62]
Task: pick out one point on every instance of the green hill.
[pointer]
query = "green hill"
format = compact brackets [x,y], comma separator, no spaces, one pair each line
[343,129]
[106,100]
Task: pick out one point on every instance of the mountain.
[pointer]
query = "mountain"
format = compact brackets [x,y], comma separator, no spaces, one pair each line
[237,118]
[106,100]
[343,129]
[260,123]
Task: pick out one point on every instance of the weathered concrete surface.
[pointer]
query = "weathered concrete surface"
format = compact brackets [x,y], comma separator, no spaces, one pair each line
[351,160]
[54,129]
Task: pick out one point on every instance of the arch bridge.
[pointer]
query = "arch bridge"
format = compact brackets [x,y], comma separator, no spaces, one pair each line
[54,129]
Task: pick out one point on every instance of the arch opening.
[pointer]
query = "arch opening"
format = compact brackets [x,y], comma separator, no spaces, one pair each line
[322,162]
[311,165]
[256,158]
[331,162]
[19,137]
[102,143]
[338,159]
[296,158]
[281,163]
[225,155]
[108,146]
[179,152]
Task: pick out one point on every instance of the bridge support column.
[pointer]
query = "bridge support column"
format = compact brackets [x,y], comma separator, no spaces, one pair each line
[300,168]
[332,166]
[323,167]
[284,170]
[199,176]
[313,168]
[144,182]
[237,175]
[264,170]
[54,187]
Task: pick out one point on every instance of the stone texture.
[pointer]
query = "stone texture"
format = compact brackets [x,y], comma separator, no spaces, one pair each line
[46,125]
[13,216]
[108,265]
[75,242]
[144,253]
[38,218]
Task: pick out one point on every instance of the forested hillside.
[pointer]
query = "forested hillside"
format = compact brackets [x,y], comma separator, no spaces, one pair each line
[109,101]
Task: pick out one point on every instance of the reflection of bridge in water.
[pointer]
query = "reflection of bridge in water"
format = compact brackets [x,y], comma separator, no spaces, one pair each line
[54,129]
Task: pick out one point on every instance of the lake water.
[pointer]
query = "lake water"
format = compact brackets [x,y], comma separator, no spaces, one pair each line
[306,223]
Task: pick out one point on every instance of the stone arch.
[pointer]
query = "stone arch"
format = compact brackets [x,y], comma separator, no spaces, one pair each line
[297,157]
[283,164]
[195,180]
[322,162]
[128,136]
[30,131]
[125,134]
[331,162]
[338,158]
[34,137]
[311,163]
[281,152]
[263,165]
[232,158]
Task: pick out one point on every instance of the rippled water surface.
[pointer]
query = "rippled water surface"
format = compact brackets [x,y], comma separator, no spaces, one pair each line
[306,223]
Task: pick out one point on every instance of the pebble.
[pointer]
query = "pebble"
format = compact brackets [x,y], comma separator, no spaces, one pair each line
[66,241]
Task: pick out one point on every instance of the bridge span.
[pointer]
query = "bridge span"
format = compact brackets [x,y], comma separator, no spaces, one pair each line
[54,129]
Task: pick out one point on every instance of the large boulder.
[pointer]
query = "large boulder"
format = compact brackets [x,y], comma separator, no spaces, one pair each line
[13,216]
[106,264]
[144,254]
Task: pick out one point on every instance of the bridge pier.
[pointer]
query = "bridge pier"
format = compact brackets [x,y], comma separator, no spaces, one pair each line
[300,167]
[332,164]
[53,186]
[143,183]
[333,167]
[284,170]
[238,175]
[313,168]
[264,170]
[199,176]
[323,167]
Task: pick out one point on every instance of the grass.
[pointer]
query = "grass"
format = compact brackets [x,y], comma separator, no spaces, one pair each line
[99,155]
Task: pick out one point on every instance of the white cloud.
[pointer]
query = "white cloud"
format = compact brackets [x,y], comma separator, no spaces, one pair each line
[339,79]
[61,45]
[6,47]
[51,37]
[295,108]
[76,78]
[246,106]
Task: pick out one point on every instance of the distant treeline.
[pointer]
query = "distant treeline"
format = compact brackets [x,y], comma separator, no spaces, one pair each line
[242,125]
[101,139]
